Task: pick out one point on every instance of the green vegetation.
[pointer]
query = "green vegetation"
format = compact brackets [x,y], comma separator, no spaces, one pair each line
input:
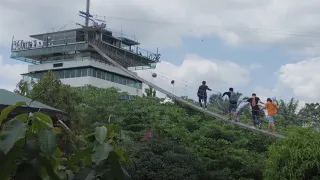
[185,144]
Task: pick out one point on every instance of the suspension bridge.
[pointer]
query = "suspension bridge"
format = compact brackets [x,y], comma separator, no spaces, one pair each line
[102,50]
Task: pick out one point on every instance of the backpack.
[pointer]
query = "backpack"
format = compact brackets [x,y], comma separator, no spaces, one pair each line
[233,98]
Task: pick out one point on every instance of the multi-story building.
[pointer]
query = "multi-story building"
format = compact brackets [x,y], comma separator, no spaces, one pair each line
[68,55]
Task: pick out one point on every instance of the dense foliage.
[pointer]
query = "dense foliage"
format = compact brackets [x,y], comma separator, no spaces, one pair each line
[187,144]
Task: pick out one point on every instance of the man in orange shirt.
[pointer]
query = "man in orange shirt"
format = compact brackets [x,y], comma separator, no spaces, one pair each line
[272,111]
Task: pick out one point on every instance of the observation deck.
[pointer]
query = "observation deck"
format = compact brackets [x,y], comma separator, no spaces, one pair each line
[73,43]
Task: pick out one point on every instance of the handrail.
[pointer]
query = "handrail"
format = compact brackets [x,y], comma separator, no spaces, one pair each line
[97,46]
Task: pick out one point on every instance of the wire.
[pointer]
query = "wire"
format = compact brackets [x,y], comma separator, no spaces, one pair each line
[278,32]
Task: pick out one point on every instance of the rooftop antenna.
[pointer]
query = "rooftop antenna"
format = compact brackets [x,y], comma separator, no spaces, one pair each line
[87,13]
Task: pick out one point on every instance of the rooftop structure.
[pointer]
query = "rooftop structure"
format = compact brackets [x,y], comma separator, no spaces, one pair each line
[68,54]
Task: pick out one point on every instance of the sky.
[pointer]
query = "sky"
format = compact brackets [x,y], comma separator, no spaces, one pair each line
[268,47]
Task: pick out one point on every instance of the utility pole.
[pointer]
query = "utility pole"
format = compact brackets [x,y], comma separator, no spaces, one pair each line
[87,13]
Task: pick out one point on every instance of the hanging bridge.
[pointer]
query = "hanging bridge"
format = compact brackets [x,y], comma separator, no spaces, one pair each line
[101,48]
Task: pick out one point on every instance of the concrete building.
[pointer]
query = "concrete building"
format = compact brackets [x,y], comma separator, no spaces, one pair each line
[69,55]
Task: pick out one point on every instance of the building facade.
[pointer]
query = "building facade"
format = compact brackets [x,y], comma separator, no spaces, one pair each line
[69,56]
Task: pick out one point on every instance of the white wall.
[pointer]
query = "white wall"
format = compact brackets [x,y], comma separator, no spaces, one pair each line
[77,63]
[82,81]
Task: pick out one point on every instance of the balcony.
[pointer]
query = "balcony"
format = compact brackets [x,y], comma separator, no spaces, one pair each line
[51,45]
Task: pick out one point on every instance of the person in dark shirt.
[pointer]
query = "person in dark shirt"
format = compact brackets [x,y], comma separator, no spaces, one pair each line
[255,109]
[202,93]
[233,101]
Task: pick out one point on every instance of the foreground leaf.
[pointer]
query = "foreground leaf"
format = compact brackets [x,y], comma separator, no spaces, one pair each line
[22,117]
[100,134]
[6,111]
[47,139]
[101,152]
[13,131]
[85,174]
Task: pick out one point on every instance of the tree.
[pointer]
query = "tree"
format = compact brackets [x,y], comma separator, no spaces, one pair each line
[294,157]
[220,103]
[310,114]
[288,112]
[22,88]
[50,90]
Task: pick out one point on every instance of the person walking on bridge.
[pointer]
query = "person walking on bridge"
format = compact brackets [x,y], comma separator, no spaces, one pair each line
[255,110]
[272,111]
[202,93]
[233,101]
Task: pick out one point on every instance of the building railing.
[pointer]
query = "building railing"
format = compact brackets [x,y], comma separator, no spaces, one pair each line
[69,38]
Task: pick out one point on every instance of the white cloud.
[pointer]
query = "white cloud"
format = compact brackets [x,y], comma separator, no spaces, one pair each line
[303,78]
[236,22]
[218,74]
[300,80]
[10,74]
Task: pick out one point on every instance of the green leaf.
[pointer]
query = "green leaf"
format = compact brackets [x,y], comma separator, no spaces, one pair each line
[100,134]
[46,164]
[57,153]
[78,156]
[70,175]
[101,152]
[47,139]
[22,117]
[8,162]
[85,174]
[44,118]
[13,131]
[123,155]
[111,134]
[117,172]
[6,111]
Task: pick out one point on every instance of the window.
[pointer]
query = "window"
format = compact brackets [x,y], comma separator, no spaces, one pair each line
[84,72]
[73,73]
[61,74]
[58,65]
[78,72]
[67,74]
[98,74]
[90,72]
[94,73]
[108,76]
[116,78]
[103,75]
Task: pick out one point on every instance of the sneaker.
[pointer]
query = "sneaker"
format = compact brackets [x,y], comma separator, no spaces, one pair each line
[260,125]
[253,127]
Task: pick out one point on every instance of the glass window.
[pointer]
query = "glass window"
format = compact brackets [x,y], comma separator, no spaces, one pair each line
[116,78]
[94,73]
[73,73]
[78,72]
[103,75]
[98,73]
[67,74]
[90,71]
[84,72]
[108,76]
[61,74]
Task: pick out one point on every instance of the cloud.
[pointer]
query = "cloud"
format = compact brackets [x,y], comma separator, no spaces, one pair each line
[218,74]
[10,74]
[236,22]
[303,78]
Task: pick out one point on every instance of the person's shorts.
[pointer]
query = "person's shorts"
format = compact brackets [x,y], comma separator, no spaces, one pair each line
[232,107]
[270,119]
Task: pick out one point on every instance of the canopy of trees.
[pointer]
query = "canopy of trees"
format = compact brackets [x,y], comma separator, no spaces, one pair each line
[186,144]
